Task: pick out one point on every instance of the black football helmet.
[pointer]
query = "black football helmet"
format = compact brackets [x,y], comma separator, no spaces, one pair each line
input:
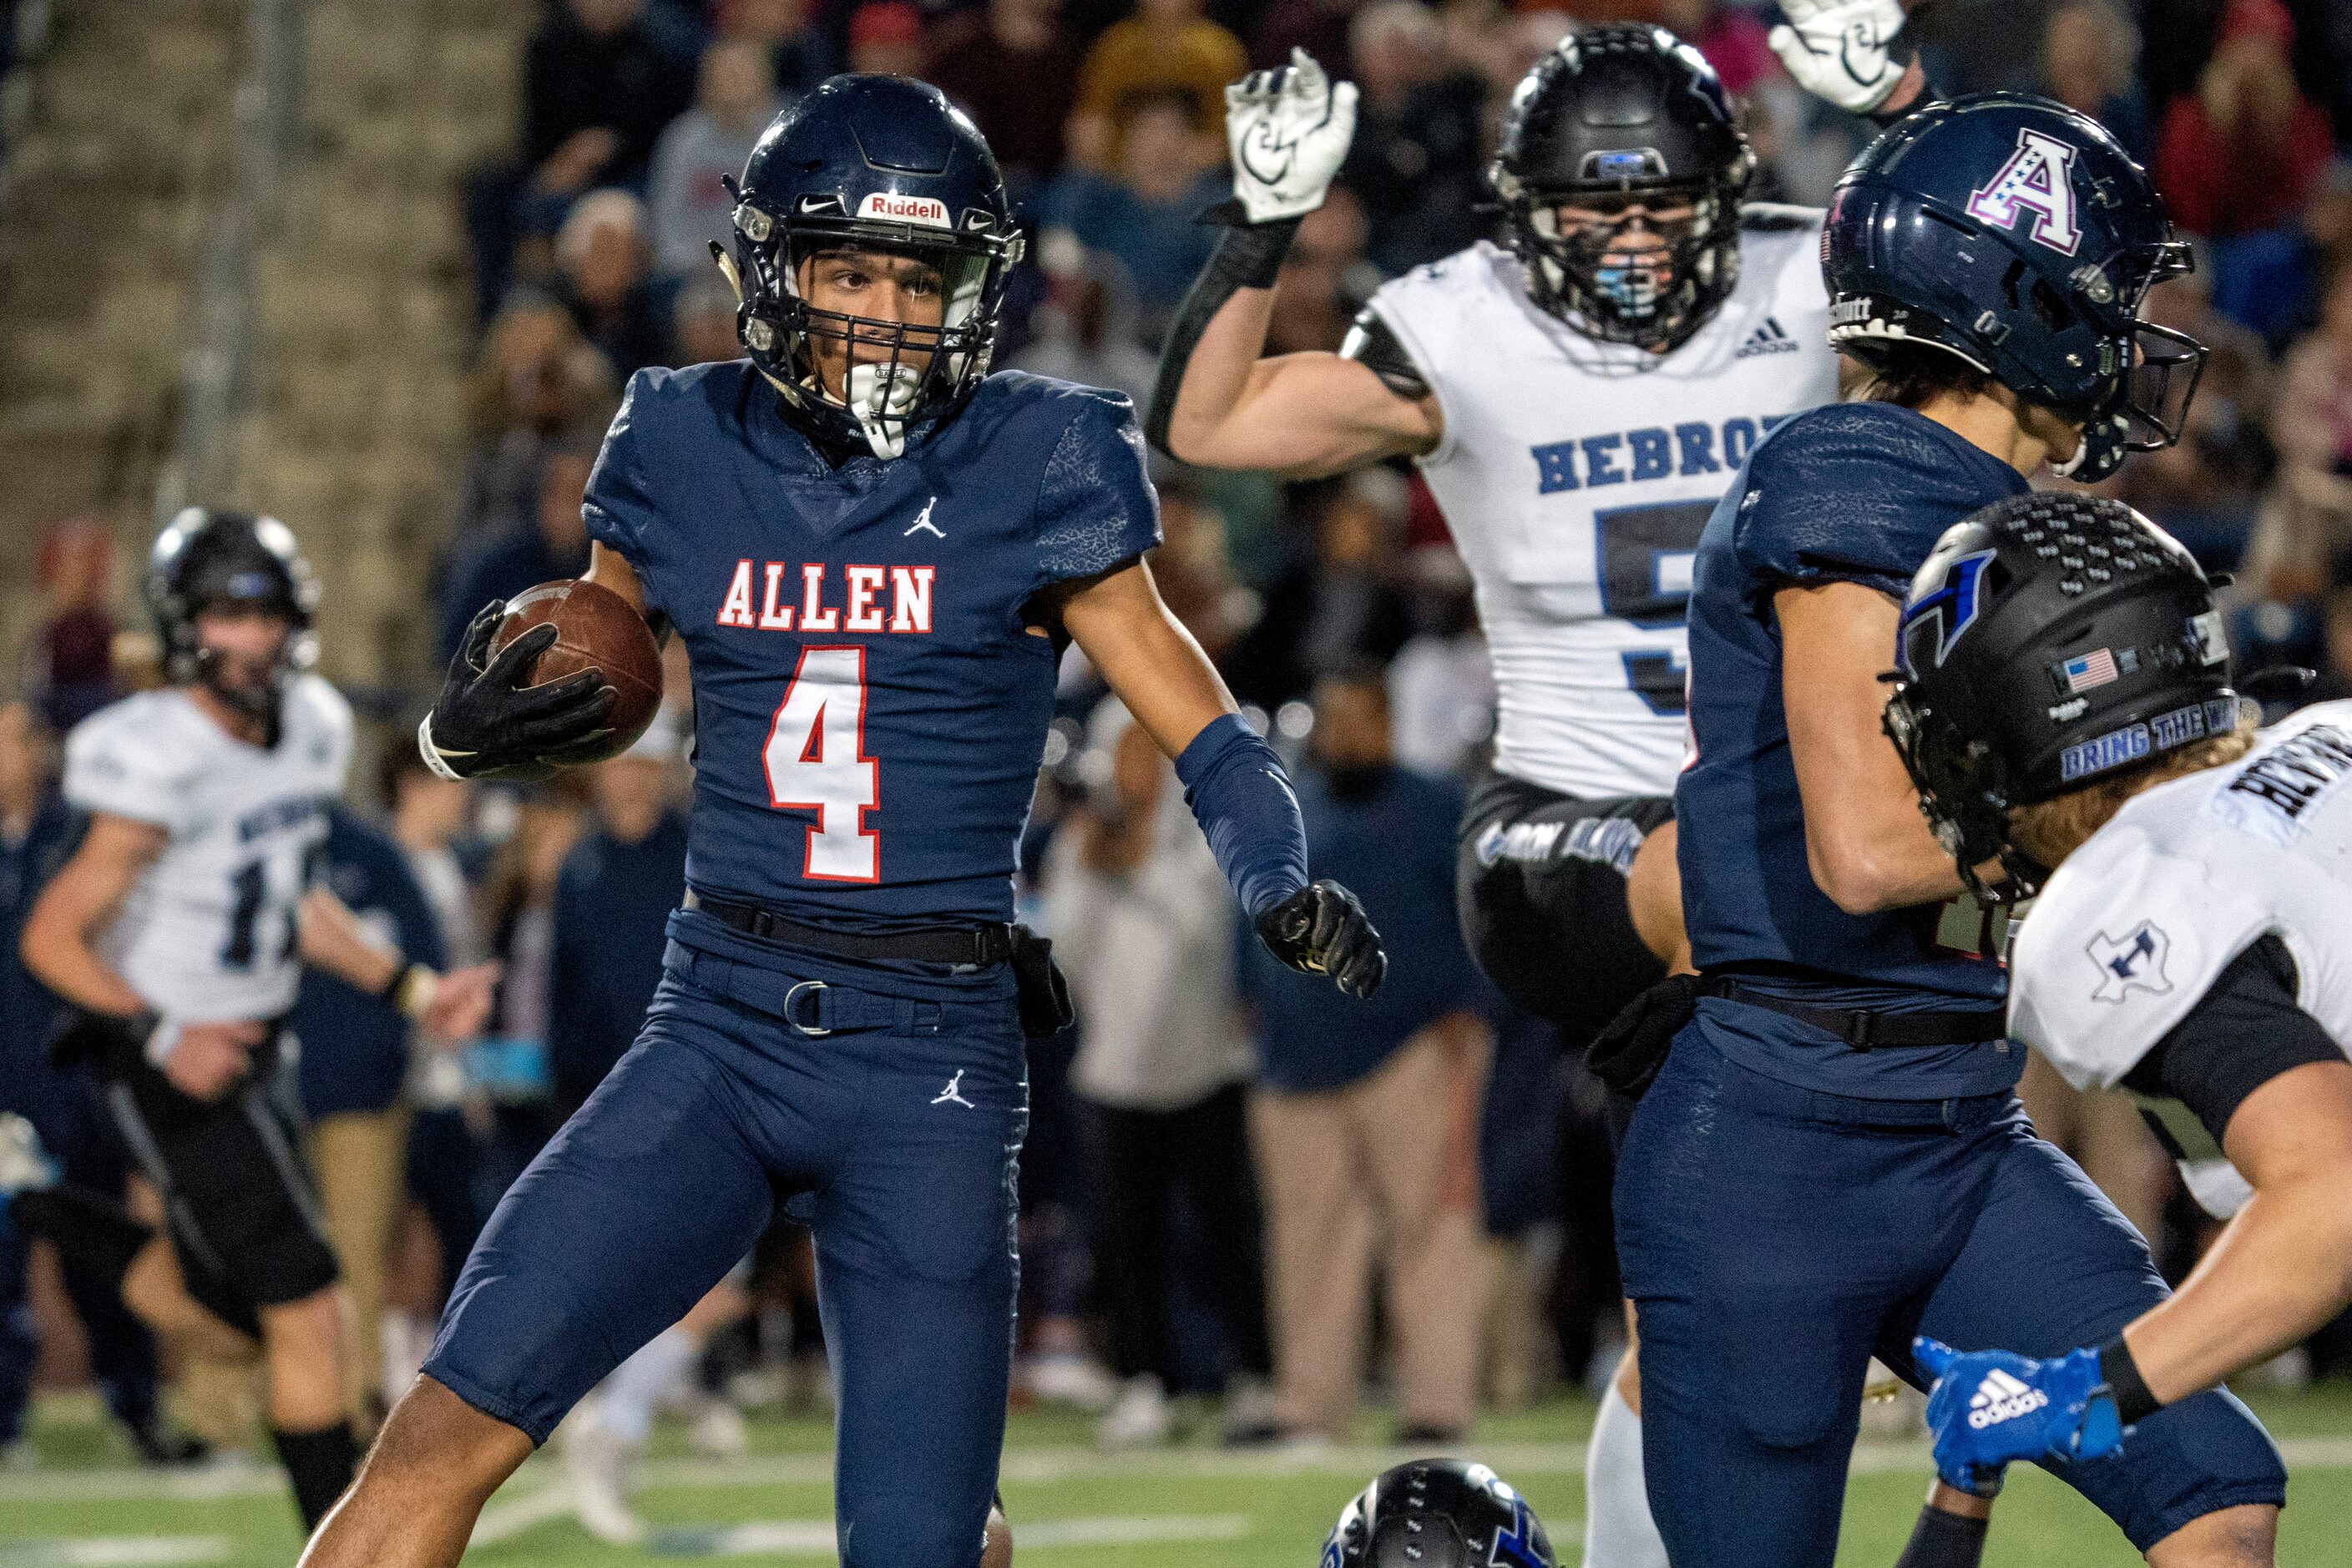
[1612,117]
[205,557]
[872,163]
[1438,1513]
[2050,641]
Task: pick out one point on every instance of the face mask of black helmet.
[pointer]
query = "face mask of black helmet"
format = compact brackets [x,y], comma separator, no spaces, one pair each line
[208,560]
[1627,130]
[2050,643]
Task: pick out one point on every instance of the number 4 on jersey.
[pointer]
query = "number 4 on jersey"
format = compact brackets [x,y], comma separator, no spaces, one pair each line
[816,760]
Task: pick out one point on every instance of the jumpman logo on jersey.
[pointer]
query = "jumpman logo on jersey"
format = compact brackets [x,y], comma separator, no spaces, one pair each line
[923,523]
[952,1095]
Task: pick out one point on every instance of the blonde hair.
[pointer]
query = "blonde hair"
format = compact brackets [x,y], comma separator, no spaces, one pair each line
[2050,830]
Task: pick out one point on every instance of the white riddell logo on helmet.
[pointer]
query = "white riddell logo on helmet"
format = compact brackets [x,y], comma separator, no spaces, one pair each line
[2036,176]
[928,210]
[2001,1397]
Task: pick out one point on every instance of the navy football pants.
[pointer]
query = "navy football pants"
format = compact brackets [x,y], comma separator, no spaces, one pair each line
[1774,1238]
[895,1137]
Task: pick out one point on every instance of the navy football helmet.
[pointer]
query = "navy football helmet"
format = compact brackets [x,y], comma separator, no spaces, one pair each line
[205,558]
[1438,1513]
[872,163]
[2020,235]
[2049,642]
[1615,117]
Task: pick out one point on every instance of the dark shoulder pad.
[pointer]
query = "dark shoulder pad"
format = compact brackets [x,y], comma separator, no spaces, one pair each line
[1372,343]
[1777,217]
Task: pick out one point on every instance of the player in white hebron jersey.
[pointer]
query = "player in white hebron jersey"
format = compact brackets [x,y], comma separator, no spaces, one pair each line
[178,932]
[2065,708]
[1577,403]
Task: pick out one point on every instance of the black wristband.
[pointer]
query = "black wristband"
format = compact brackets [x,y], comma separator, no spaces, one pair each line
[1248,255]
[2134,1403]
[1941,1539]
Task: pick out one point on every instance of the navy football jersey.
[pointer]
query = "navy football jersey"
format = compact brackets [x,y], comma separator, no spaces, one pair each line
[870,709]
[1854,492]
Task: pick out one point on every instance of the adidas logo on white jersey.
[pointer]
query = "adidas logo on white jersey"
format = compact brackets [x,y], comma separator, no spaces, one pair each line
[1767,338]
[2001,1397]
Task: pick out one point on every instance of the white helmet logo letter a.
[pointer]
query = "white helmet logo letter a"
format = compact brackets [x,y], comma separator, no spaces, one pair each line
[2035,176]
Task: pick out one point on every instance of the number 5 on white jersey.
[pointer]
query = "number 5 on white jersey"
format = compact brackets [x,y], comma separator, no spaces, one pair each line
[816,760]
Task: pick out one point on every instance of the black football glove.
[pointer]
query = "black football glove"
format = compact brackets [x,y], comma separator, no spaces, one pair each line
[489,723]
[1322,930]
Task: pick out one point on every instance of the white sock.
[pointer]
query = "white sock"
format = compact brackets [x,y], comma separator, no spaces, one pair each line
[1618,1531]
[640,1383]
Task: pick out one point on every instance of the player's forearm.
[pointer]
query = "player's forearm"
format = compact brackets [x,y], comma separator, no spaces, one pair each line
[2281,1269]
[66,963]
[331,938]
[1208,386]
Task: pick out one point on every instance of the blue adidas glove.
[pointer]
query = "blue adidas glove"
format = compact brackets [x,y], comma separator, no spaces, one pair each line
[1990,1408]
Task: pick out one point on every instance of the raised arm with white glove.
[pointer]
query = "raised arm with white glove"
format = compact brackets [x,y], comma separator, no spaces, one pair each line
[1288,130]
[1844,51]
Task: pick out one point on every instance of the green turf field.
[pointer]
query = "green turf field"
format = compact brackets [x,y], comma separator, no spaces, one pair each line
[1190,1507]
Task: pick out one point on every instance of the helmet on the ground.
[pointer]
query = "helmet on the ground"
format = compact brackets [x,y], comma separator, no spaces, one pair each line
[2051,641]
[207,558]
[1438,1513]
[2018,235]
[873,163]
[1612,117]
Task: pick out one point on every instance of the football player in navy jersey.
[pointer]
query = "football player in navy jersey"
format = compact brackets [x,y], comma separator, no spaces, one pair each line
[1830,1158]
[873,551]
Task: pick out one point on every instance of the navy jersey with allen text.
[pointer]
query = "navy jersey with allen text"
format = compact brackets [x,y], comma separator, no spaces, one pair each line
[1853,493]
[870,706]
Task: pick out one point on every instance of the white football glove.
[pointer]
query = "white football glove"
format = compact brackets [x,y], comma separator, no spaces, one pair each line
[1838,49]
[1289,130]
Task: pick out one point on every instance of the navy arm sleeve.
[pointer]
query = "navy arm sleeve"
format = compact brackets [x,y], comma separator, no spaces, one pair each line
[1096,505]
[2246,1031]
[620,508]
[1243,800]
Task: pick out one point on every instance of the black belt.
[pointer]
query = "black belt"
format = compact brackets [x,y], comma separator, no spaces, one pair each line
[1869,1031]
[975,947]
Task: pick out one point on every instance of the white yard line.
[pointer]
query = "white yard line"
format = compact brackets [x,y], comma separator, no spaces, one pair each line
[1024,1466]
[116,1552]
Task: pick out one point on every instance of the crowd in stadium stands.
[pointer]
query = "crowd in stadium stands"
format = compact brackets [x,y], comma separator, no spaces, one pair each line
[1219,1170]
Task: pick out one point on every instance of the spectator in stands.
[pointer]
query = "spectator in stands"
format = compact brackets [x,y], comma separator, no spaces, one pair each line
[705,145]
[887,36]
[2239,155]
[535,380]
[72,657]
[517,916]
[800,56]
[2089,50]
[600,256]
[1012,66]
[1143,216]
[2309,520]
[2205,489]
[702,323]
[1087,328]
[1193,569]
[1325,278]
[1144,926]
[354,1062]
[1319,27]
[1414,166]
[1365,1119]
[1166,47]
[427,816]
[598,87]
[612,901]
[554,543]
[1340,605]
[1441,683]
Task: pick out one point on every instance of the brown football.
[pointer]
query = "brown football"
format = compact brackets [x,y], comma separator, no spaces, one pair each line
[596,629]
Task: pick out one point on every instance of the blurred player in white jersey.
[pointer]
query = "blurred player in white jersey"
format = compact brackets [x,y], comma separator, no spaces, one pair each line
[1577,403]
[178,930]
